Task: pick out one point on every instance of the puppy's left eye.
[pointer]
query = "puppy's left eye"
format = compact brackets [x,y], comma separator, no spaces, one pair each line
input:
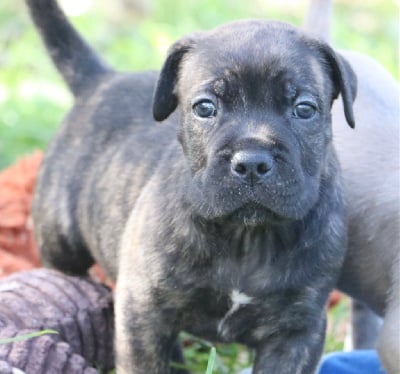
[205,109]
[304,110]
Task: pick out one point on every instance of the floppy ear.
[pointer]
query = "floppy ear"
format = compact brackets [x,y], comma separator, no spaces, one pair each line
[165,100]
[345,81]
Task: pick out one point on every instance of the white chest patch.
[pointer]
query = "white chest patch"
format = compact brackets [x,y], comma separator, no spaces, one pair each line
[238,299]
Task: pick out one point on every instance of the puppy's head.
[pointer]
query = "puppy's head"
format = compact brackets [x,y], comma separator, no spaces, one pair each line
[254,100]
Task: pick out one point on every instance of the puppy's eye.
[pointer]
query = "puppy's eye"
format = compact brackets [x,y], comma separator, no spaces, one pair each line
[304,110]
[205,109]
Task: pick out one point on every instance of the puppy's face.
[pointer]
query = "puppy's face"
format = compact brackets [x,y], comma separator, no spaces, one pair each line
[255,101]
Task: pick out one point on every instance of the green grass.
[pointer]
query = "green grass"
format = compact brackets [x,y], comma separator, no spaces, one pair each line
[338,318]
[228,358]
[211,360]
[19,338]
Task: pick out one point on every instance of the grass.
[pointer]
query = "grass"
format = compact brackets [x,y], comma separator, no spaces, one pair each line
[338,318]
[19,338]
[211,360]
[228,358]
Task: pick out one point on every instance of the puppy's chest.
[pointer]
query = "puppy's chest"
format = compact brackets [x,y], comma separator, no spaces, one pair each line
[240,315]
[239,302]
[244,294]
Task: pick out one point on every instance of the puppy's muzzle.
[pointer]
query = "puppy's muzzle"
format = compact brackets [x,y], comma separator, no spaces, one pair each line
[252,166]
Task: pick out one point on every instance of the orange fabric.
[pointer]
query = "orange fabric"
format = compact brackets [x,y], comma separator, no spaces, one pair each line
[18,250]
[334,298]
[17,246]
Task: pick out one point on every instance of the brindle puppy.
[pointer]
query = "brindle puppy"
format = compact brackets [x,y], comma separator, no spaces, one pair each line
[227,220]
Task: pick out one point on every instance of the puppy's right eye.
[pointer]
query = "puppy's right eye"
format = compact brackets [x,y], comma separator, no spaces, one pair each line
[205,109]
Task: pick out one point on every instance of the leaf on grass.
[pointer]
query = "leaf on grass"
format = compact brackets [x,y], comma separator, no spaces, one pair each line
[211,361]
[27,336]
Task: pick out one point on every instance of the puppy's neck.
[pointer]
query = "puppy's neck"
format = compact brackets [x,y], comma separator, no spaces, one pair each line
[216,240]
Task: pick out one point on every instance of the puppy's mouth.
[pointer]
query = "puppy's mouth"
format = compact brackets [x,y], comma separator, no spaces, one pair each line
[253,214]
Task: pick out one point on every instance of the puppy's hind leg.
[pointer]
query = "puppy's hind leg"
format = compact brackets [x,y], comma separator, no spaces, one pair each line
[66,253]
[365,326]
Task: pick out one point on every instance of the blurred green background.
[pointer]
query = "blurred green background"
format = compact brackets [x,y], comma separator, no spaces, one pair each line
[133,35]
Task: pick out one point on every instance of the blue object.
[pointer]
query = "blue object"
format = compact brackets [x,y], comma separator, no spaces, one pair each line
[353,362]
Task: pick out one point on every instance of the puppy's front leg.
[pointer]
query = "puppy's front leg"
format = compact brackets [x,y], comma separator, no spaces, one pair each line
[291,353]
[145,333]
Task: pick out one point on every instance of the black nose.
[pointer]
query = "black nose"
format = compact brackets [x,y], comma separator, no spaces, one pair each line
[251,165]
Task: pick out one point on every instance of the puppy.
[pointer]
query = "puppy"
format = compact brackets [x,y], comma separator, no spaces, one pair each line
[227,220]
[370,157]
